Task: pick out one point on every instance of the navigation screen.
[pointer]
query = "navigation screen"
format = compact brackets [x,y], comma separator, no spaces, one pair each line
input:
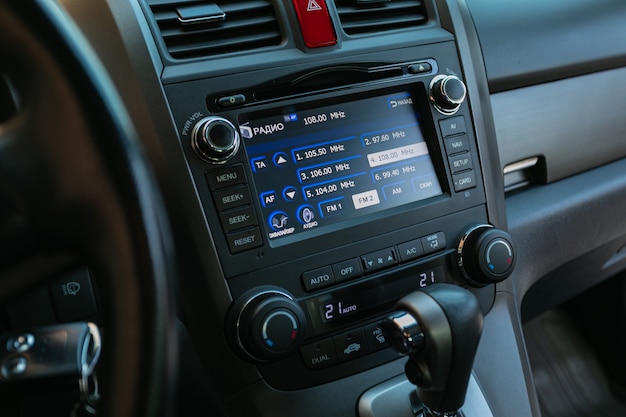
[321,167]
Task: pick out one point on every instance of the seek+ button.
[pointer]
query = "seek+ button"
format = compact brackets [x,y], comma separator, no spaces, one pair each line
[232,197]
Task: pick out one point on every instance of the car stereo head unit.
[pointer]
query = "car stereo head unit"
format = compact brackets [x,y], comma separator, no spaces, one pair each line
[318,169]
[298,176]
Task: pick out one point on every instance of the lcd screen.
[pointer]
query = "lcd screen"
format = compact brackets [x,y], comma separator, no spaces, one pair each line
[318,169]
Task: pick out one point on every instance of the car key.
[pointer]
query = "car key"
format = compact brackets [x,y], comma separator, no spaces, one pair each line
[54,351]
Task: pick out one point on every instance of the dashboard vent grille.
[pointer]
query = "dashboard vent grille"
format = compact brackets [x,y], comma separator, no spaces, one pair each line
[198,28]
[362,16]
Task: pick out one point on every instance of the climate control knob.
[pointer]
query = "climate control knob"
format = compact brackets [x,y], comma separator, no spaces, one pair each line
[447,93]
[215,139]
[485,255]
[265,324]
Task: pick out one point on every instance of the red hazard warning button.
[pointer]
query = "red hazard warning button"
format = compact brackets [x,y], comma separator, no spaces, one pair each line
[317,28]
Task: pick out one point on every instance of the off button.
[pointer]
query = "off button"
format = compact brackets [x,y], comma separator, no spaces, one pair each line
[347,270]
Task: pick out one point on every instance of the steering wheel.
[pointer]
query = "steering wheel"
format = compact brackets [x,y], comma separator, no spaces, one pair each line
[75,190]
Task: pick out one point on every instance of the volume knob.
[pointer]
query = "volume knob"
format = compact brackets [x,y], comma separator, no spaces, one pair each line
[215,139]
[447,93]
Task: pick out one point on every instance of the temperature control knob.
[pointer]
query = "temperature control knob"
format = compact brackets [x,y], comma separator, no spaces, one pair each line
[485,255]
[215,139]
[266,324]
[447,93]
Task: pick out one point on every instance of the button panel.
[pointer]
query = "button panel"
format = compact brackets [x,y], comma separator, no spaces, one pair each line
[372,262]
[233,201]
[346,346]
[454,132]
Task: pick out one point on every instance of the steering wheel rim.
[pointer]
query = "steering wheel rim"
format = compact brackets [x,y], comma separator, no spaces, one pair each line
[72,171]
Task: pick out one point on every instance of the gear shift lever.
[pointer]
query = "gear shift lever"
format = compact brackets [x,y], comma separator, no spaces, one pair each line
[439,328]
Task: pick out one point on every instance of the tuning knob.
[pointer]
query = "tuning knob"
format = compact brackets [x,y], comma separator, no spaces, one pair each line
[215,139]
[447,93]
[485,255]
[266,324]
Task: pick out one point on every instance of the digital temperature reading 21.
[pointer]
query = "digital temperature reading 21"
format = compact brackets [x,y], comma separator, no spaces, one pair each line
[342,306]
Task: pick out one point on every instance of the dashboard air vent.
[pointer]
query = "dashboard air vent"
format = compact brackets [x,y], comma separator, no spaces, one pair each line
[367,16]
[197,28]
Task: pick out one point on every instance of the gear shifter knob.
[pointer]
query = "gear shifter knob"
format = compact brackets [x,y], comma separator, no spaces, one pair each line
[439,328]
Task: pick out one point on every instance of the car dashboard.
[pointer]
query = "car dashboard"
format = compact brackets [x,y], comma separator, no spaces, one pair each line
[319,160]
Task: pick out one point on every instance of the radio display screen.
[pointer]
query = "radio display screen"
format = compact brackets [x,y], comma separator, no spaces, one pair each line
[317,168]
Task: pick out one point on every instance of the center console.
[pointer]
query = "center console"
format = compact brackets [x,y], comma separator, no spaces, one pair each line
[332,186]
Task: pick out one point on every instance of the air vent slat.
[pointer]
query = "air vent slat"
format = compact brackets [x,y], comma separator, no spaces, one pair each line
[256,25]
[200,48]
[378,17]
[249,24]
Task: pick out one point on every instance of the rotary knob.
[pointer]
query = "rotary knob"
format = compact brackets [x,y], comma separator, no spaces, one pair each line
[266,324]
[215,139]
[485,255]
[447,93]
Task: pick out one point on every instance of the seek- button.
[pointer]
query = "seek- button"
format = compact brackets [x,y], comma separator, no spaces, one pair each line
[238,218]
